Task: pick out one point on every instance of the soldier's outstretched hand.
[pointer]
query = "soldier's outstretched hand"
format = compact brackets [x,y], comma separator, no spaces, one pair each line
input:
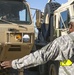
[6,64]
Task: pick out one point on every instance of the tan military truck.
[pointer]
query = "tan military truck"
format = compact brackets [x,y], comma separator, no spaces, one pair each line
[55,24]
[16,30]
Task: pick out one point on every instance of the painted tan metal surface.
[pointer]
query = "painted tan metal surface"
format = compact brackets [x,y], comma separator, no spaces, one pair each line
[12,45]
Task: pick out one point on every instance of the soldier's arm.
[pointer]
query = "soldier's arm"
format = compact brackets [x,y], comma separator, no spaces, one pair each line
[41,56]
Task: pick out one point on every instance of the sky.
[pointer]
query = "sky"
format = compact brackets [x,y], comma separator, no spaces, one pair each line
[40,4]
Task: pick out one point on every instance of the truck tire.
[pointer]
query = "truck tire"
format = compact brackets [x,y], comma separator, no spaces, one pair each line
[47,27]
[53,68]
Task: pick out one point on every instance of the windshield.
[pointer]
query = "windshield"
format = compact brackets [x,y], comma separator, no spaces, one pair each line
[64,19]
[14,11]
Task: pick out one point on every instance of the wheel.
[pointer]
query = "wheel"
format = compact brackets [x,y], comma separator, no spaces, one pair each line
[47,27]
[52,70]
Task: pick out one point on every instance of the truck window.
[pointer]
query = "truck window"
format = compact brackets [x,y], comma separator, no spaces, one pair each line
[64,19]
[14,11]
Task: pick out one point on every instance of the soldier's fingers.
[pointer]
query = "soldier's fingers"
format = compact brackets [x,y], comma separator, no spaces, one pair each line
[4,63]
[7,66]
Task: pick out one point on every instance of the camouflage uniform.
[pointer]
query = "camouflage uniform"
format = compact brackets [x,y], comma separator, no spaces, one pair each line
[60,49]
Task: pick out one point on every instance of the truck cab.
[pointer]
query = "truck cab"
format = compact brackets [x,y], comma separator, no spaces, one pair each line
[62,17]
[16,29]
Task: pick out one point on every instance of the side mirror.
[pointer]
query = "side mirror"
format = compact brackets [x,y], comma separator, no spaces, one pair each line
[39,18]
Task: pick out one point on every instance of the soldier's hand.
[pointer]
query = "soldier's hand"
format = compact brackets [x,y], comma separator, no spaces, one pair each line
[6,64]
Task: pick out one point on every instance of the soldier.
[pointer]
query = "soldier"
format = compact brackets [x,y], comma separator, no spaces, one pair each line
[62,49]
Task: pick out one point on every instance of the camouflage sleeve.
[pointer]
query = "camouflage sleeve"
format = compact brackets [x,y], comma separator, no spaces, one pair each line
[50,51]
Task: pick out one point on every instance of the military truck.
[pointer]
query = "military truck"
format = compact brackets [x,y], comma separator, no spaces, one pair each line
[51,25]
[16,31]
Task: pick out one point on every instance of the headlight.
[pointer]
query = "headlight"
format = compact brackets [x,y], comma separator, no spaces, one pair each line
[26,38]
[18,37]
